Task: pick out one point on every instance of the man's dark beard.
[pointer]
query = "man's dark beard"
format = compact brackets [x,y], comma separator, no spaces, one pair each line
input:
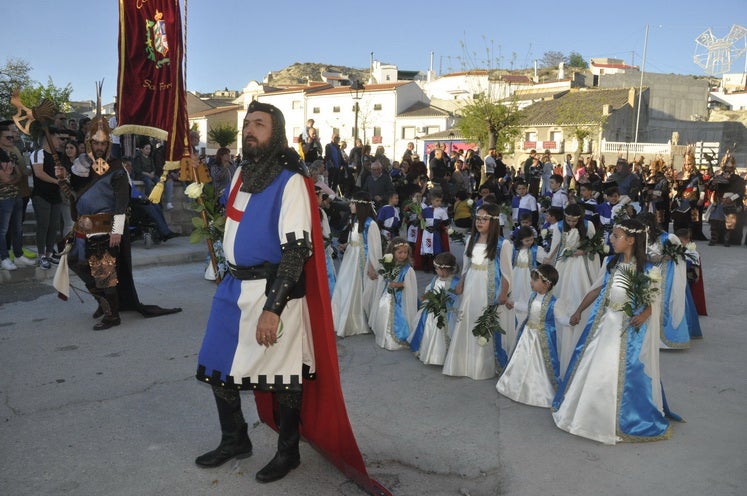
[255,152]
[262,163]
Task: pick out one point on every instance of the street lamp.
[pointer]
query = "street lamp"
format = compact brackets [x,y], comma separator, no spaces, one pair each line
[356,92]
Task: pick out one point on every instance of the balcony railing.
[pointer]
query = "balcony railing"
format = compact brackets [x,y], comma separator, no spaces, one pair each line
[664,149]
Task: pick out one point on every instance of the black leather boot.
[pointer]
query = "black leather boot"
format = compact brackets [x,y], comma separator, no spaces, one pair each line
[287,457]
[234,442]
[109,304]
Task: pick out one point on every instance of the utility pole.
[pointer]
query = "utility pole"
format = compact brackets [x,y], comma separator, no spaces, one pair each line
[640,86]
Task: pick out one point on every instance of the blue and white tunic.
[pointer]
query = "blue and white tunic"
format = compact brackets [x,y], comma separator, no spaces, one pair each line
[257,226]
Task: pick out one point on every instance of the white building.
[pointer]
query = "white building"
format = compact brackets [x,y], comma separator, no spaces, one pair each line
[602,66]
[380,108]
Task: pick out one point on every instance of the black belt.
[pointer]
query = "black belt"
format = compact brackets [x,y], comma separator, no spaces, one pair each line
[253,272]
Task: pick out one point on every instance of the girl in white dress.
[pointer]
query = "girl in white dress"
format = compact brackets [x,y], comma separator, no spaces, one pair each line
[576,272]
[357,278]
[526,256]
[612,391]
[428,341]
[674,326]
[486,280]
[398,301]
[533,373]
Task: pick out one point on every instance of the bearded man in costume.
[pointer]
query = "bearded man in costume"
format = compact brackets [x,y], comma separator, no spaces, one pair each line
[270,325]
[100,253]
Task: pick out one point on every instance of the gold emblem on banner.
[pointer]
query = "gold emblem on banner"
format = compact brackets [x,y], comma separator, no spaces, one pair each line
[156,41]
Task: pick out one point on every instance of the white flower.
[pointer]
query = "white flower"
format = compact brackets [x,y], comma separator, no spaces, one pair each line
[470,202]
[194,190]
[388,257]
[606,248]
[482,341]
[451,231]
[543,233]
[655,275]
[690,246]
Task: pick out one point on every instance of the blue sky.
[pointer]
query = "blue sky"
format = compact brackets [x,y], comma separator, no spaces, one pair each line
[230,42]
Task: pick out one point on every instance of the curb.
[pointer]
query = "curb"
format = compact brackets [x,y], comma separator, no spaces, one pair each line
[175,251]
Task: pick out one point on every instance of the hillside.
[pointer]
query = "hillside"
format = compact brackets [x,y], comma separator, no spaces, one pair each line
[300,73]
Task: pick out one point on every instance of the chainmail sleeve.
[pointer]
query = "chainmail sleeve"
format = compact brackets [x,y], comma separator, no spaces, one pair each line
[295,236]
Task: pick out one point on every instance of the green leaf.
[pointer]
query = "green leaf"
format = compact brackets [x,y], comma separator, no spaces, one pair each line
[197,223]
[196,237]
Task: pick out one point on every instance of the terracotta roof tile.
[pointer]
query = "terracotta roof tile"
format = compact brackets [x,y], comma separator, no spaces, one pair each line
[584,107]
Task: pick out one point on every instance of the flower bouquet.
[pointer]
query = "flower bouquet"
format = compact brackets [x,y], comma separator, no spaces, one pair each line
[691,253]
[546,239]
[436,302]
[621,215]
[209,225]
[594,245]
[417,211]
[456,236]
[673,251]
[545,202]
[488,324]
[640,288]
[389,270]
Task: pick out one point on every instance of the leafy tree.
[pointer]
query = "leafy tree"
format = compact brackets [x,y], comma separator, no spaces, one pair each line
[224,135]
[553,59]
[13,75]
[31,96]
[575,59]
[489,122]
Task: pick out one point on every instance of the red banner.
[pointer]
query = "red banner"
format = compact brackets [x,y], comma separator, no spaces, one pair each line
[151,97]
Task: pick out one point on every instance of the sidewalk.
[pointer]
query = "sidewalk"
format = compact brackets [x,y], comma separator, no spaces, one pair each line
[172,252]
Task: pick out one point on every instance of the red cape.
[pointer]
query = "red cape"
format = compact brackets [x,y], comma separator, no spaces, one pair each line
[698,291]
[417,258]
[324,419]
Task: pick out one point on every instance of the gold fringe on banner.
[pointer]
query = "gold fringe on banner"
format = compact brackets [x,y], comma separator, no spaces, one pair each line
[141,130]
[157,192]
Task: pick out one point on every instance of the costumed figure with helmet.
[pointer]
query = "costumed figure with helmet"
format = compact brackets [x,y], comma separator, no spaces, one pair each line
[727,205]
[98,249]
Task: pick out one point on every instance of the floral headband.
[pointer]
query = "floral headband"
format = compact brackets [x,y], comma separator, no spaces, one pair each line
[364,202]
[404,243]
[541,276]
[442,266]
[488,216]
[630,230]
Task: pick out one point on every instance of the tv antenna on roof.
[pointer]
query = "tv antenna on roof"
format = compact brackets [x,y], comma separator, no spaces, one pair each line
[719,52]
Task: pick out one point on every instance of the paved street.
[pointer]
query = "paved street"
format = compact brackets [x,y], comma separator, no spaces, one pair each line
[119,412]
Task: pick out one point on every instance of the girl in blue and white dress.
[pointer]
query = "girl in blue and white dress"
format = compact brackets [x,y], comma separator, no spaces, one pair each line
[358,275]
[611,391]
[398,301]
[526,256]
[533,373]
[486,280]
[674,326]
[428,341]
[576,272]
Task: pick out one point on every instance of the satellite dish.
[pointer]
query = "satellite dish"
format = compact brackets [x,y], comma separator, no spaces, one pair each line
[715,55]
